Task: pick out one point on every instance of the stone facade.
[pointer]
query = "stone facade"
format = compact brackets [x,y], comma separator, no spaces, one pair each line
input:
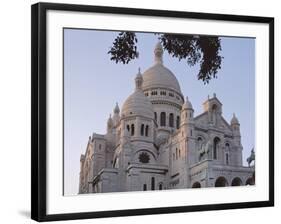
[156,143]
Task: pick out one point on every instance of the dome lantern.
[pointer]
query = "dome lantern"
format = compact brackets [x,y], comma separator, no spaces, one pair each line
[158,53]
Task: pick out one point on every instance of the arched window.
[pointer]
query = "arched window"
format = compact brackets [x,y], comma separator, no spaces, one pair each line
[171,120]
[146,130]
[160,186]
[128,128]
[163,119]
[214,114]
[152,183]
[142,129]
[226,159]
[155,116]
[178,122]
[199,143]
[177,153]
[215,147]
[144,187]
[132,129]
[144,157]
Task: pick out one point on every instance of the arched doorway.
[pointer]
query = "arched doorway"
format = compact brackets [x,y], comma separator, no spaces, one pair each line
[236,182]
[221,182]
[250,181]
[196,185]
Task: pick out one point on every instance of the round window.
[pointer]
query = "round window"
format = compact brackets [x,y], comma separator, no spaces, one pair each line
[144,157]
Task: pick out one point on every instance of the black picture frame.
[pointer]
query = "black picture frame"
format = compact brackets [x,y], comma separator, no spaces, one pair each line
[39,108]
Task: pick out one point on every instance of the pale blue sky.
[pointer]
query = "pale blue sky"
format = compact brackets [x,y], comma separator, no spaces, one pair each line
[93,84]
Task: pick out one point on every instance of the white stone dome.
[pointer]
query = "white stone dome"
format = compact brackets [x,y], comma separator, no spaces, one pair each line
[158,76]
[137,103]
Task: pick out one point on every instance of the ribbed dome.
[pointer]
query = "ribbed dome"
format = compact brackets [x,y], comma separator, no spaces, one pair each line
[158,76]
[138,104]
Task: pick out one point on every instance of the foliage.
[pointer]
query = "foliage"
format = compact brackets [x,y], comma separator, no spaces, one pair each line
[204,50]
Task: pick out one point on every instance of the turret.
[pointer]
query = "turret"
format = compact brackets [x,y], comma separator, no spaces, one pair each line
[235,126]
[214,108]
[234,122]
[186,121]
[109,124]
[187,112]
[116,116]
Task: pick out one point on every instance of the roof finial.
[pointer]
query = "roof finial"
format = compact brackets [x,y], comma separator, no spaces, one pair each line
[158,53]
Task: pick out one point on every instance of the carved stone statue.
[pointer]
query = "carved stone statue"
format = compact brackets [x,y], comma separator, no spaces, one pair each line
[251,157]
[204,151]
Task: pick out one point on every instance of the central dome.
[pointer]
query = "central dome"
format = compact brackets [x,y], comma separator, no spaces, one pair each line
[158,76]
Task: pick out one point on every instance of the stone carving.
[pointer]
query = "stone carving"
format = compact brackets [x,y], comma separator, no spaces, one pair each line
[251,157]
[204,151]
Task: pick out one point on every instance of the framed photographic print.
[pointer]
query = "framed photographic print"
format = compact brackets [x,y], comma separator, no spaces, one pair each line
[139,111]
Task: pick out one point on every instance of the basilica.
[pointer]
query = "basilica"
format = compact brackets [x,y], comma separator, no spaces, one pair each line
[156,143]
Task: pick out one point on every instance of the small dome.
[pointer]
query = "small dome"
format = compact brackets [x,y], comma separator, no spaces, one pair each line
[158,76]
[137,103]
[187,105]
[234,120]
